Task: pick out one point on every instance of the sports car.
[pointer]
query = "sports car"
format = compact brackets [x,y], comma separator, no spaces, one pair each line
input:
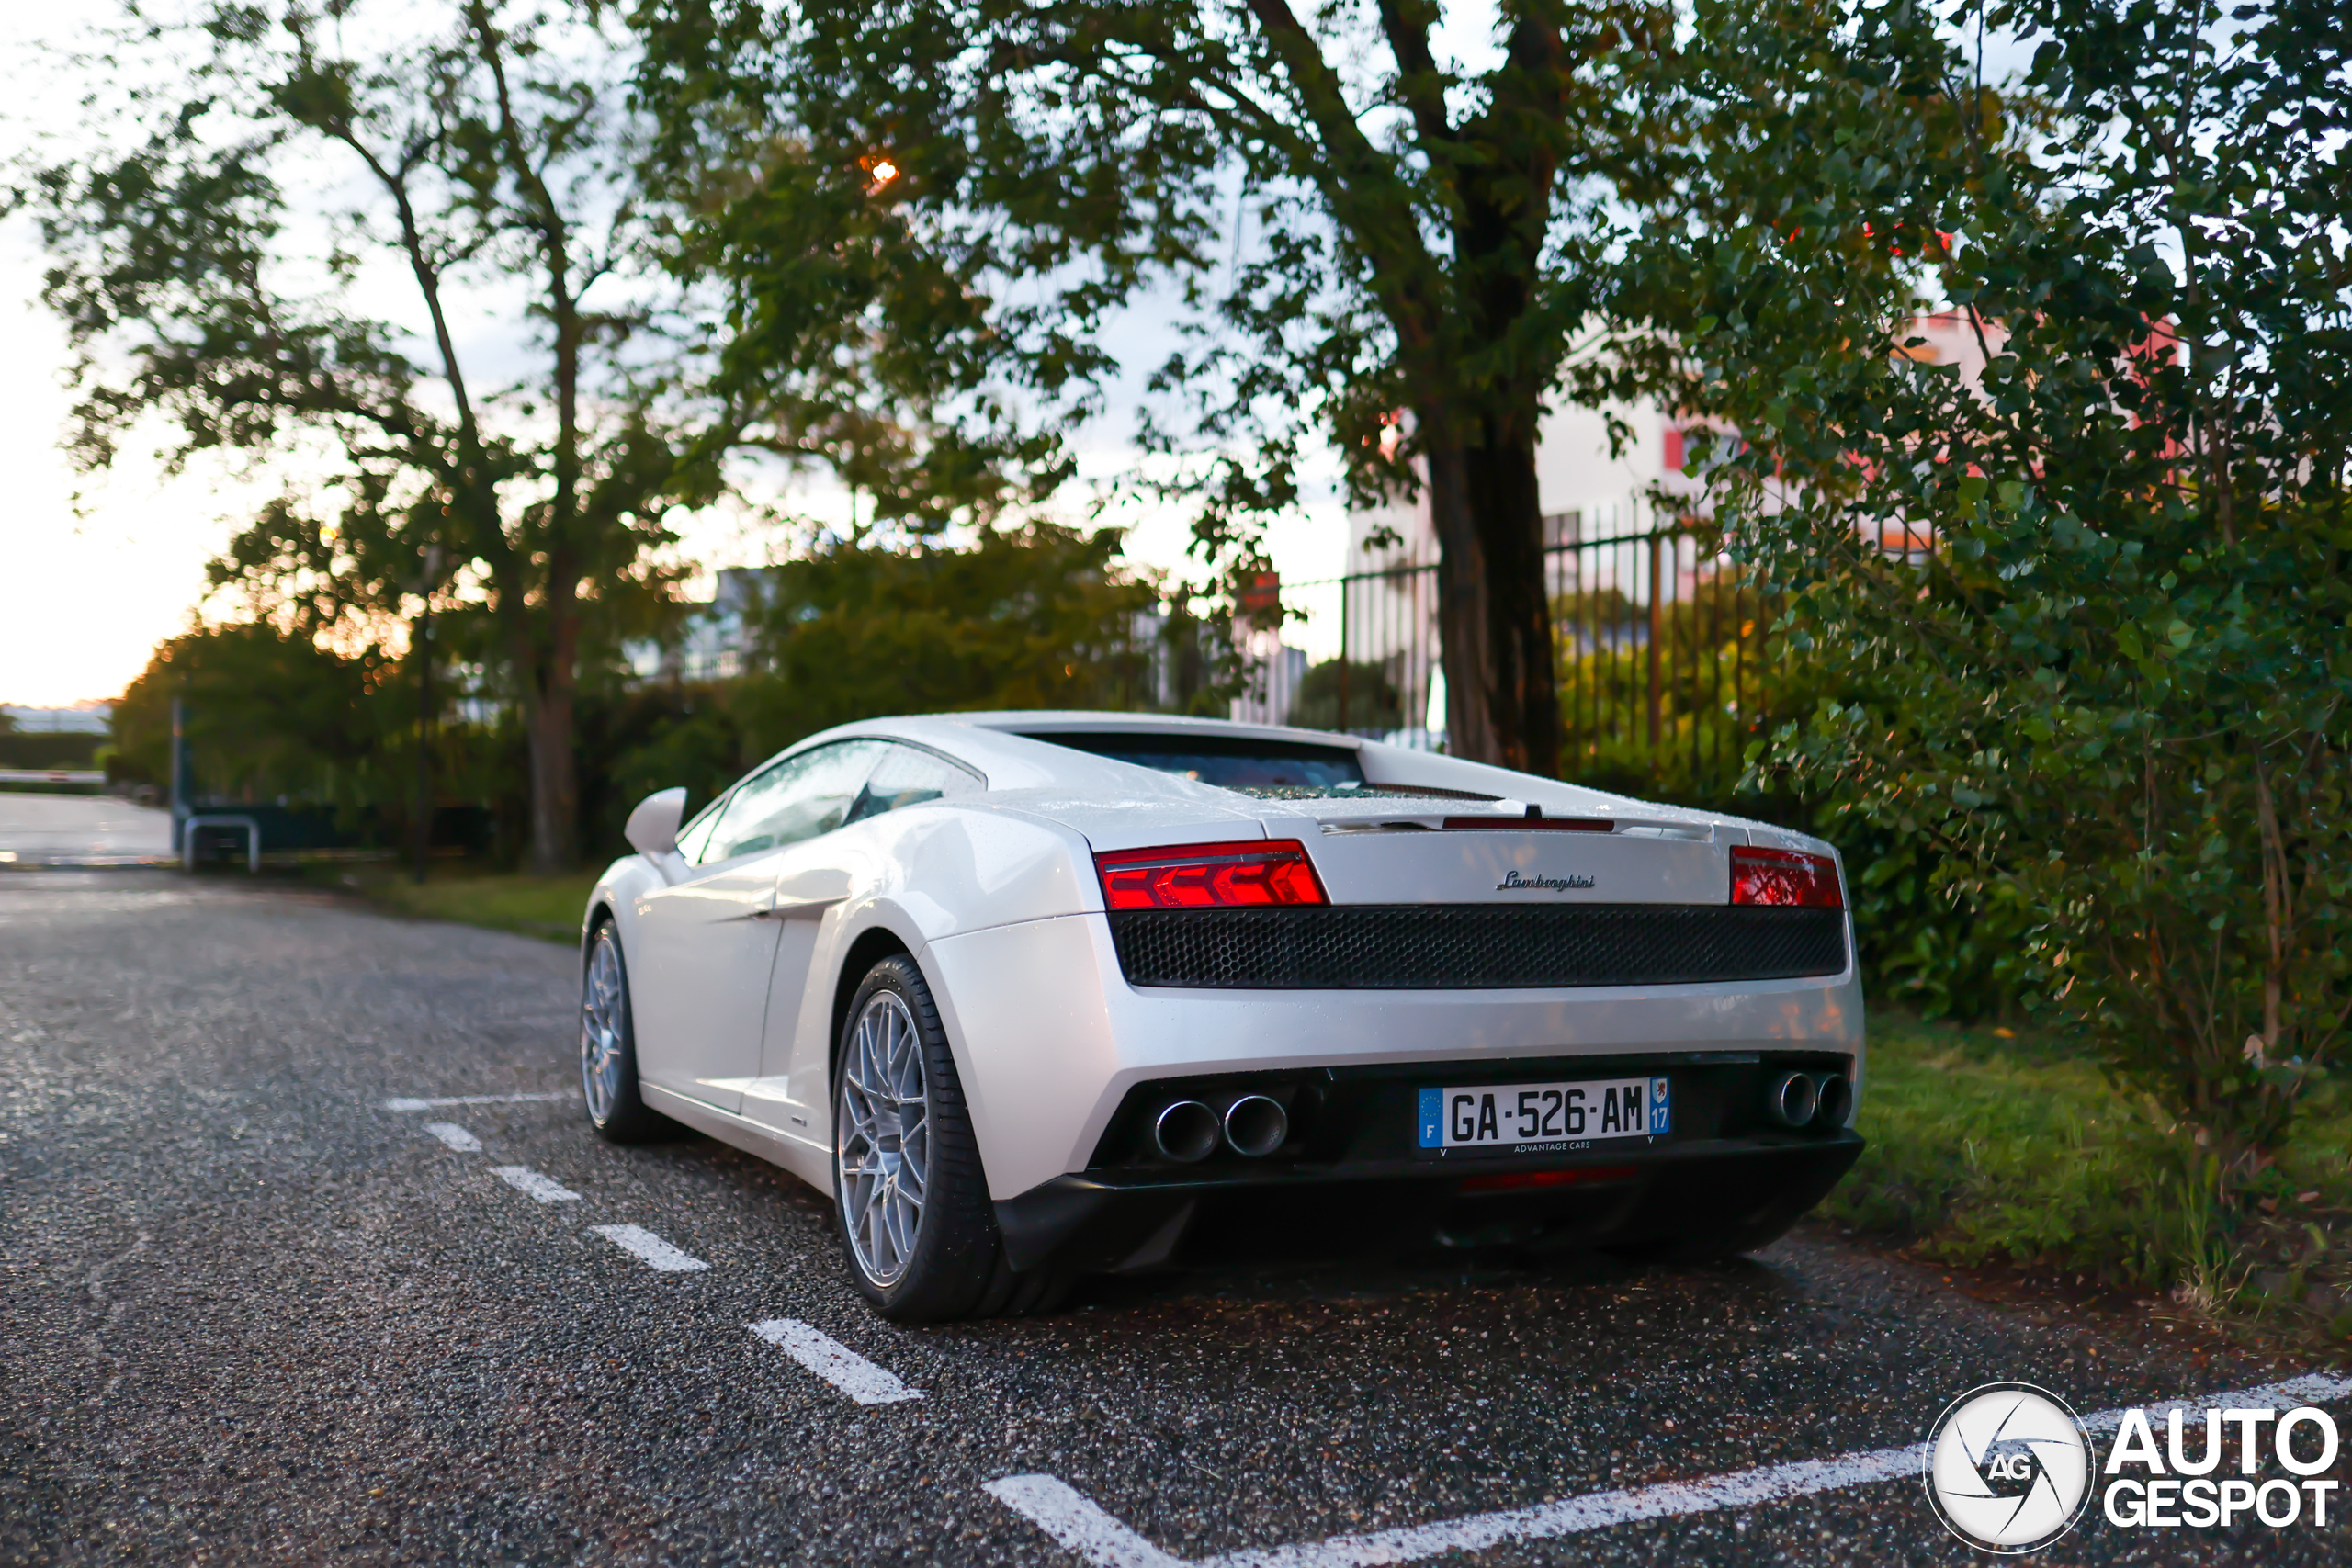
[1037,995]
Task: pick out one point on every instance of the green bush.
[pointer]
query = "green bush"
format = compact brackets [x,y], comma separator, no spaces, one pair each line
[2115,698]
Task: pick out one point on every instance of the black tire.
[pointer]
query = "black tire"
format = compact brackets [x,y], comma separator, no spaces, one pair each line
[947,1260]
[609,1047]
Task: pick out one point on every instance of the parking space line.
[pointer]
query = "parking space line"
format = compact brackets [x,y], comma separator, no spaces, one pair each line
[546,1188]
[834,1361]
[457,1137]
[1097,1537]
[1076,1522]
[656,1253]
[408,1104]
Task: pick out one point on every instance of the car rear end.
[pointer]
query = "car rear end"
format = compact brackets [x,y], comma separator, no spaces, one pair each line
[1363,1019]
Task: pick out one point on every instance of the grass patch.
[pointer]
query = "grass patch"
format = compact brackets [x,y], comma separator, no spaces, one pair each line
[1987,1146]
[545,907]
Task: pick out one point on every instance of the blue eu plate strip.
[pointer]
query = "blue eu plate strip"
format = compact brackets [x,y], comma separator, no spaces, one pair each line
[1432,1117]
[1661,1107]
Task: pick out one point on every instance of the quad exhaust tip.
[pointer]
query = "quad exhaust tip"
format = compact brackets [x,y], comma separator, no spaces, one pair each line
[1824,1100]
[1834,1094]
[1256,1125]
[1186,1132]
[1791,1098]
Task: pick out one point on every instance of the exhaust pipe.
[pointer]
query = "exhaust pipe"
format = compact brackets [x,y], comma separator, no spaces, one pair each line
[1185,1132]
[1256,1125]
[1833,1094]
[1791,1098]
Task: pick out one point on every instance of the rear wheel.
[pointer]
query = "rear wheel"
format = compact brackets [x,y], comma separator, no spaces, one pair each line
[911,1199]
[609,1047]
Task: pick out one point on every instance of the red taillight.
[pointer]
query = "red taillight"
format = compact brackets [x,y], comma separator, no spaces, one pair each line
[1209,877]
[1788,877]
[1520,1181]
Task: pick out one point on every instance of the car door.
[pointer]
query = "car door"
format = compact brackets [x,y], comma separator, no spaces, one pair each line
[791,1091]
[708,943]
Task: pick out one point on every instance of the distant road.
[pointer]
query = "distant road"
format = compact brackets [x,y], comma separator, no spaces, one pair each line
[46,827]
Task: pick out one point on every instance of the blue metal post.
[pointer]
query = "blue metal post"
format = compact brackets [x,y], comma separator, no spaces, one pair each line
[181,805]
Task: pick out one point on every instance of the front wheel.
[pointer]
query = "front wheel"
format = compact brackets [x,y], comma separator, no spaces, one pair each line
[609,1047]
[910,1201]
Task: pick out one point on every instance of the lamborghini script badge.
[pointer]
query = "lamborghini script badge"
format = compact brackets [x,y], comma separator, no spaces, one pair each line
[1514,883]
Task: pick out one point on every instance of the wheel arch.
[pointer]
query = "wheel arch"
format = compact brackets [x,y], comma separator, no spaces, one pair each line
[869,947]
[601,914]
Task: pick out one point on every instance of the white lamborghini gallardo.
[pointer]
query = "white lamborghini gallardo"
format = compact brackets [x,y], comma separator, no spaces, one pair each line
[1037,994]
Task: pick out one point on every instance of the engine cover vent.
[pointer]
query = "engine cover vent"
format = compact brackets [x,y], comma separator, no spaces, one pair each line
[1475,946]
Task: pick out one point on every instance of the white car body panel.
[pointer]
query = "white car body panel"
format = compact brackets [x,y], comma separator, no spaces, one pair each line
[698,1019]
[995,896]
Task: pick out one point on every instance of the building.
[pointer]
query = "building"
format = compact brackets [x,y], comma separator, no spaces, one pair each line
[82,719]
[714,640]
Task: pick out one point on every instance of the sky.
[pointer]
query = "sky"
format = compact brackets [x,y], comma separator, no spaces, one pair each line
[82,600]
[88,587]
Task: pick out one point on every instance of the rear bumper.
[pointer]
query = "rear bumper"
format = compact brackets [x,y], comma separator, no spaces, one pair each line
[1112,1221]
[1050,1039]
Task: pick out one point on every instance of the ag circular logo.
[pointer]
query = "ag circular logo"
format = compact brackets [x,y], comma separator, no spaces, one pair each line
[2008,1468]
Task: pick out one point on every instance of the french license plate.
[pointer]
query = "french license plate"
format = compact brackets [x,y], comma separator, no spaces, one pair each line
[1533,1118]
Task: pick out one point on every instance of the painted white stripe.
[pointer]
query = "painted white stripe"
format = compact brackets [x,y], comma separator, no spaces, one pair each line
[471,1100]
[2311,1388]
[457,1137]
[1096,1538]
[656,1253]
[1074,1521]
[834,1361]
[546,1188]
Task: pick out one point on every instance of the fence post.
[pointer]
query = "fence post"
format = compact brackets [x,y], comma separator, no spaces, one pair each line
[1656,625]
[1343,655]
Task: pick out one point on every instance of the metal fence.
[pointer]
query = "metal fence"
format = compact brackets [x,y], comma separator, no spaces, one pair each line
[1657,649]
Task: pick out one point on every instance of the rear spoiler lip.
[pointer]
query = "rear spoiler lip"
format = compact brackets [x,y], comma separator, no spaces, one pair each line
[1629,827]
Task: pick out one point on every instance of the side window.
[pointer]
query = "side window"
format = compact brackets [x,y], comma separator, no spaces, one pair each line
[908,777]
[796,799]
[696,837]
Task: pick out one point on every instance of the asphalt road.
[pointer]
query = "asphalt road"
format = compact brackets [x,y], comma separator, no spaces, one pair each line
[35,827]
[249,1314]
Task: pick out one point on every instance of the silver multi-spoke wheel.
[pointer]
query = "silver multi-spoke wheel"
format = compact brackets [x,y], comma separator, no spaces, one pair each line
[882,1134]
[603,997]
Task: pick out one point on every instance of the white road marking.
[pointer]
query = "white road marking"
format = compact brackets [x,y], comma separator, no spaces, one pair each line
[1075,1521]
[656,1253]
[1095,1537]
[472,1099]
[546,1188]
[834,1361]
[457,1137]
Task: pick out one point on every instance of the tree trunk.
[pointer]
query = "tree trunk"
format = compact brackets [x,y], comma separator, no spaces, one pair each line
[548,677]
[1494,610]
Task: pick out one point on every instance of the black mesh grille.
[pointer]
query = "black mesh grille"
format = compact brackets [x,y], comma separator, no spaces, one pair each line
[1475,946]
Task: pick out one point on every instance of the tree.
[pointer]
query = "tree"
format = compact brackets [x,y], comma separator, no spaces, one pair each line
[2118,692]
[481,158]
[1423,241]
[270,715]
[1038,618]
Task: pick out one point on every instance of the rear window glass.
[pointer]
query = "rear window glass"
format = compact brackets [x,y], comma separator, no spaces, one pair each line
[1235,762]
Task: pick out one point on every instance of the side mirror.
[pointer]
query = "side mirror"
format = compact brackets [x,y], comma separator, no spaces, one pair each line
[653,827]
